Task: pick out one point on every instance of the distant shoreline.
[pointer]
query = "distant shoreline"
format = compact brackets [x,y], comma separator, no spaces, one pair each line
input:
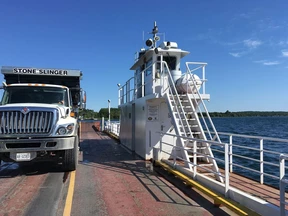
[248,114]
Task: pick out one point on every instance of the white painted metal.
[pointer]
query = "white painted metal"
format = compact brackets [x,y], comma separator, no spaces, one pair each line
[255,203]
[282,182]
[261,162]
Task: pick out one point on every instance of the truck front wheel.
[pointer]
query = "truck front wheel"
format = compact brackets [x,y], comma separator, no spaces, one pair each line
[70,157]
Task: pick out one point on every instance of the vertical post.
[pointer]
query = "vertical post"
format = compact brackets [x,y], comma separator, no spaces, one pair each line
[122,94]
[119,97]
[282,184]
[161,136]
[119,94]
[203,76]
[128,90]
[109,112]
[261,162]
[142,84]
[153,68]
[174,153]
[226,170]
[194,158]
[231,153]
[161,75]
[102,124]
[157,151]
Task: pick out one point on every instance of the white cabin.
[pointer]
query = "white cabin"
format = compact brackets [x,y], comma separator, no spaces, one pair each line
[160,99]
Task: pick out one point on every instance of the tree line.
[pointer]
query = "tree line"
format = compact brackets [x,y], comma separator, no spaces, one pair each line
[103,112]
[115,113]
[247,114]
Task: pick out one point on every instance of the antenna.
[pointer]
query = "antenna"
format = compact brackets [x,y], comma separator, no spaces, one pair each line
[152,42]
[143,36]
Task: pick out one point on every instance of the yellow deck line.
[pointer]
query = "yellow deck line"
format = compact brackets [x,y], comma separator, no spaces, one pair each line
[218,199]
[69,199]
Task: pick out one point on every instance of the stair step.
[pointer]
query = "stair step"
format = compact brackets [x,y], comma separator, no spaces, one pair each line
[198,156]
[205,165]
[185,126]
[198,148]
[185,112]
[194,133]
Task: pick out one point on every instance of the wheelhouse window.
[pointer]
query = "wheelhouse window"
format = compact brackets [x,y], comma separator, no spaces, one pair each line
[149,67]
[171,62]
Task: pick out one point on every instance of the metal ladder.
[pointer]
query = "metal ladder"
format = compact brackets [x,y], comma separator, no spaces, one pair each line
[184,110]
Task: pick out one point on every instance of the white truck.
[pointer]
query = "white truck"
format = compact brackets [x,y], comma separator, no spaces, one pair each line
[39,115]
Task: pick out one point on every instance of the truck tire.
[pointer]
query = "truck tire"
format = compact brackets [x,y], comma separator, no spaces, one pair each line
[70,158]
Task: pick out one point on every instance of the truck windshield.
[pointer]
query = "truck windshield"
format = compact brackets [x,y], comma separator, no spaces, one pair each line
[35,94]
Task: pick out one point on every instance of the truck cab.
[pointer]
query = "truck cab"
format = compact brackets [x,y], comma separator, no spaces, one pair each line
[39,115]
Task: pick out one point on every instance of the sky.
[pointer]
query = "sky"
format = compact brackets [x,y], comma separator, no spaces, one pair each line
[245,44]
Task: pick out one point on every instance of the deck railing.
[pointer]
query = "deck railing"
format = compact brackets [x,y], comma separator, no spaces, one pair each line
[229,153]
[247,150]
[283,182]
[194,163]
[252,156]
[113,127]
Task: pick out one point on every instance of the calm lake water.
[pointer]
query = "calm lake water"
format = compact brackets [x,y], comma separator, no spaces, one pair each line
[276,127]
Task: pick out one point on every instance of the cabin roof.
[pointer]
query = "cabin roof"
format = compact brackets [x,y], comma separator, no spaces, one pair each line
[149,53]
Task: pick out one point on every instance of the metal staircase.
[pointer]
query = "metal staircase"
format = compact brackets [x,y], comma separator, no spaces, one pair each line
[185,111]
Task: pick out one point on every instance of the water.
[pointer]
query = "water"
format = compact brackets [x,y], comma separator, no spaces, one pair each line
[276,127]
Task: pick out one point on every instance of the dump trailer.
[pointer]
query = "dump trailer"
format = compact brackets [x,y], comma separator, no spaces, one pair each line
[39,115]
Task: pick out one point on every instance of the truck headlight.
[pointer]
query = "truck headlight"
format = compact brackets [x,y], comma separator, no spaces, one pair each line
[65,130]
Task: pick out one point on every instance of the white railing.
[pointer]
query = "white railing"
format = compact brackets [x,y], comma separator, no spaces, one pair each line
[282,183]
[227,150]
[193,151]
[128,91]
[201,65]
[252,151]
[113,127]
[190,72]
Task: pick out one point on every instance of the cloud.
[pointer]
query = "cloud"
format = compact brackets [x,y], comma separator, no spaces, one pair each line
[245,15]
[268,63]
[283,43]
[271,63]
[236,55]
[230,43]
[252,43]
[284,53]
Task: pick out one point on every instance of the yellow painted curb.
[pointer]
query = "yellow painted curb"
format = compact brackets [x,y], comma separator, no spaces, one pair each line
[218,199]
[69,199]
[113,136]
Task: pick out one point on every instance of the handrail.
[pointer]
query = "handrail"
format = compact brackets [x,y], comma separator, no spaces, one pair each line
[226,184]
[234,147]
[174,91]
[282,183]
[228,162]
[199,95]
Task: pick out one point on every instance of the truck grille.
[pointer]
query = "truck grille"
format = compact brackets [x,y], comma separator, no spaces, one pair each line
[34,122]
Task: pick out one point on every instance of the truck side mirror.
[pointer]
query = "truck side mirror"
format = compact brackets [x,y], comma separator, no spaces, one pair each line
[82,99]
[3,86]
